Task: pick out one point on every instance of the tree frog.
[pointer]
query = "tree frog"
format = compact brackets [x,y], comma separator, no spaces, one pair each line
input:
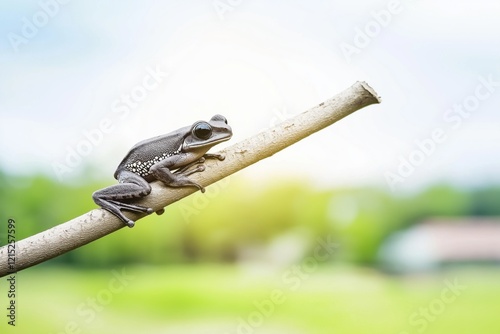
[169,158]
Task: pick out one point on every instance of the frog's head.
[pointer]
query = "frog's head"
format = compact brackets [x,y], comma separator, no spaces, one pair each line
[203,135]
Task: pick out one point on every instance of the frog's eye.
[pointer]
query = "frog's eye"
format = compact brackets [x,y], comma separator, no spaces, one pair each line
[202,130]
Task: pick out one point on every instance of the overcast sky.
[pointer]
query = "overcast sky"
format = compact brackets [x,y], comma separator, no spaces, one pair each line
[95,78]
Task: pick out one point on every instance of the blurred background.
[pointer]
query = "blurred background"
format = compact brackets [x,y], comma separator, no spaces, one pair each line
[386,222]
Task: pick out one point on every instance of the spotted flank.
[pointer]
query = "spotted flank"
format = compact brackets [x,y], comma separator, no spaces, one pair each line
[142,168]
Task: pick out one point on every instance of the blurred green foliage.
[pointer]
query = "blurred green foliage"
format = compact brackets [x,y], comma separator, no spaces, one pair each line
[236,215]
[229,299]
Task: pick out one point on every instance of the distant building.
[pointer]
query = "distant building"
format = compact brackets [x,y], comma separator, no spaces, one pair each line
[441,241]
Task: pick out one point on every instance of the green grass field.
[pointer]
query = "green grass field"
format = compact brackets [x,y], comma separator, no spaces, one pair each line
[226,300]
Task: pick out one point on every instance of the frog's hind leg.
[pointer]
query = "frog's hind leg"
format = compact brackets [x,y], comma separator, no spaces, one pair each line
[131,207]
[130,186]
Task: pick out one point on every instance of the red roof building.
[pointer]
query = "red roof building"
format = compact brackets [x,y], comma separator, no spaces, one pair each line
[439,241]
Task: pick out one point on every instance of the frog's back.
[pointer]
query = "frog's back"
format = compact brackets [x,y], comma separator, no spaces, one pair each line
[146,153]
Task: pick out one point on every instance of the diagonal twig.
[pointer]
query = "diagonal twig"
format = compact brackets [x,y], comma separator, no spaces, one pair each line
[98,222]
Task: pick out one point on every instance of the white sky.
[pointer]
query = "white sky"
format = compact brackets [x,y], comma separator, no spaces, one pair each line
[252,63]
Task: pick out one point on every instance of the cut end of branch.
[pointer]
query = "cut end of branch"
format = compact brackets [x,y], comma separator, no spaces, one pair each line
[370,90]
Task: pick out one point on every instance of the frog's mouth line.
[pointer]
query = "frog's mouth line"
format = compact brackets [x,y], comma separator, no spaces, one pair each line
[213,142]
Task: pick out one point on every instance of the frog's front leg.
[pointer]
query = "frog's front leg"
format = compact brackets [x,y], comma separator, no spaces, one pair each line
[214,156]
[130,186]
[186,170]
[161,171]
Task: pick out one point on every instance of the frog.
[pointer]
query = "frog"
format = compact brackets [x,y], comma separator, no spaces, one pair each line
[169,158]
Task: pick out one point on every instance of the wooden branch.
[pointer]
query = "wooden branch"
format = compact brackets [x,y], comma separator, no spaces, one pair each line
[98,222]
